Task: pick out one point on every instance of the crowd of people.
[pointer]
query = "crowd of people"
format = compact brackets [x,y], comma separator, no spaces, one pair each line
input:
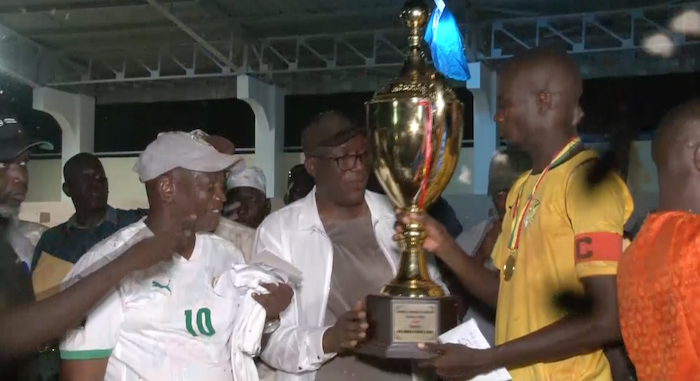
[176,291]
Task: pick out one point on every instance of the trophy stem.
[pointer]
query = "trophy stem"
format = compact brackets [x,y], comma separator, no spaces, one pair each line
[412,278]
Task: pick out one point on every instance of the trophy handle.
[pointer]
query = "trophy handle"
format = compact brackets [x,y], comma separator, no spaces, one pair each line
[412,278]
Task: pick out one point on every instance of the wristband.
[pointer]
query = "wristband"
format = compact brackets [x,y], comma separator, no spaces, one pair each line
[271,326]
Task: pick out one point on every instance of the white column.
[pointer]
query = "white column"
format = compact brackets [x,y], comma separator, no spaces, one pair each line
[75,113]
[267,102]
[483,87]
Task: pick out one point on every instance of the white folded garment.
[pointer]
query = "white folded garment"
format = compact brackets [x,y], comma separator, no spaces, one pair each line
[250,319]
[267,258]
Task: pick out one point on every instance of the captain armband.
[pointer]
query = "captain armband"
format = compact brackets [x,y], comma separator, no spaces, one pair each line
[597,247]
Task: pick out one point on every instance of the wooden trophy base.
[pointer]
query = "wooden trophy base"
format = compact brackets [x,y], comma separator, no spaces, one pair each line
[398,324]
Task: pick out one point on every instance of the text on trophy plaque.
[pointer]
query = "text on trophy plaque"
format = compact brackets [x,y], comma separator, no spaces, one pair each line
[415,322]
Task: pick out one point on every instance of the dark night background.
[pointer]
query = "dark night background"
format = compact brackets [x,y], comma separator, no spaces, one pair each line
[635,103]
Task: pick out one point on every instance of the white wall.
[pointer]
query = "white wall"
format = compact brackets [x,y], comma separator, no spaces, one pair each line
[45,175]
[126,191]
[124,185]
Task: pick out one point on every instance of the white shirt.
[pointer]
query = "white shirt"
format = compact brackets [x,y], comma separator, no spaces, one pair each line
[296,234]
[173,321]
[470,241]
[240,235]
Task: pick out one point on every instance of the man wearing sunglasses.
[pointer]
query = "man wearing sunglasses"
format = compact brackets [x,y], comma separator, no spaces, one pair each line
[340,237]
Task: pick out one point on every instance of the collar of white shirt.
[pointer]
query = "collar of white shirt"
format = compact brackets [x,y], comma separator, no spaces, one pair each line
[309,218]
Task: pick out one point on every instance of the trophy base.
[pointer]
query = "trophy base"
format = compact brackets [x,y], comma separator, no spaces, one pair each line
[398,324]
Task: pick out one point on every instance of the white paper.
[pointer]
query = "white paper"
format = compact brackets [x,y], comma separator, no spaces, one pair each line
[267,258]
[468,334]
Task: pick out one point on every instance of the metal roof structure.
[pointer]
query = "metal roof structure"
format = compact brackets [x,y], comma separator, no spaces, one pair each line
[310,46]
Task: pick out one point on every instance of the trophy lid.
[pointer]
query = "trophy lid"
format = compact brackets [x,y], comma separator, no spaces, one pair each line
[416,79]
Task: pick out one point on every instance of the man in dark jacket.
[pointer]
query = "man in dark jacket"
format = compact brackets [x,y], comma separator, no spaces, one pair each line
[15,281]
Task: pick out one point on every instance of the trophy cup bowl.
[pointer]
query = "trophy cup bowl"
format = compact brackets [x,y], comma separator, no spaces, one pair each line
[415,131]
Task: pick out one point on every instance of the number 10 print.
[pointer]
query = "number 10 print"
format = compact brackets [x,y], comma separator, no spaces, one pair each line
[204,325]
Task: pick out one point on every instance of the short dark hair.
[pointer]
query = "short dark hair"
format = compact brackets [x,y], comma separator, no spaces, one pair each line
[78,162]
[680,114]
[328,129]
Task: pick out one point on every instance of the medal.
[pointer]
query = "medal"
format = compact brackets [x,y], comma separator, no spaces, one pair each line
[509,267]
[519,214]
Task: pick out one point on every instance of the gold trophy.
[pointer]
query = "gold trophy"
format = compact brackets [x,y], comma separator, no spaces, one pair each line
[415,129]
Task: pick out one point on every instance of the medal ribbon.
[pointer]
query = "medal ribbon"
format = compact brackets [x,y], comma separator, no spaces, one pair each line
[519,217]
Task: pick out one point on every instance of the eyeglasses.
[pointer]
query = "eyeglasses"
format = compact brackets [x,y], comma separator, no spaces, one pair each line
[348,162]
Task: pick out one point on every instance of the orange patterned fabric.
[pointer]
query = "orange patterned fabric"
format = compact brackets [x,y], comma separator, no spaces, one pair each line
[659,297]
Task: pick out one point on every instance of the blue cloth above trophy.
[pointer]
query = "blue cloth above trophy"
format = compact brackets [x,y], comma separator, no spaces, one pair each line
[445,41]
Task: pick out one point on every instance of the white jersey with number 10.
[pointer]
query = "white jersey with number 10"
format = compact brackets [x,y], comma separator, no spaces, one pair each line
[171,322]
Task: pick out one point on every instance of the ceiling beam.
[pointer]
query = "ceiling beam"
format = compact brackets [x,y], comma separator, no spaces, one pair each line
[77,6]
[505,11]
[379,49]
[32,63]
[234,23]
[239,25]
[201,41]
[219,11]
[132,28]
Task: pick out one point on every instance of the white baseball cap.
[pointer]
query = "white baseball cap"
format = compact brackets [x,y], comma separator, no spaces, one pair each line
[188,150]
[252,177]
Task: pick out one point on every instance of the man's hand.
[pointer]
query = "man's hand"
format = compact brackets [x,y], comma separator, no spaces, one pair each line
[162,246]
[276,301]
[348,331]
[457,362]
[436,233]
[475,278]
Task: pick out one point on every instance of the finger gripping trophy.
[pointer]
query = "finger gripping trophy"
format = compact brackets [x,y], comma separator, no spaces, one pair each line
[415,129]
